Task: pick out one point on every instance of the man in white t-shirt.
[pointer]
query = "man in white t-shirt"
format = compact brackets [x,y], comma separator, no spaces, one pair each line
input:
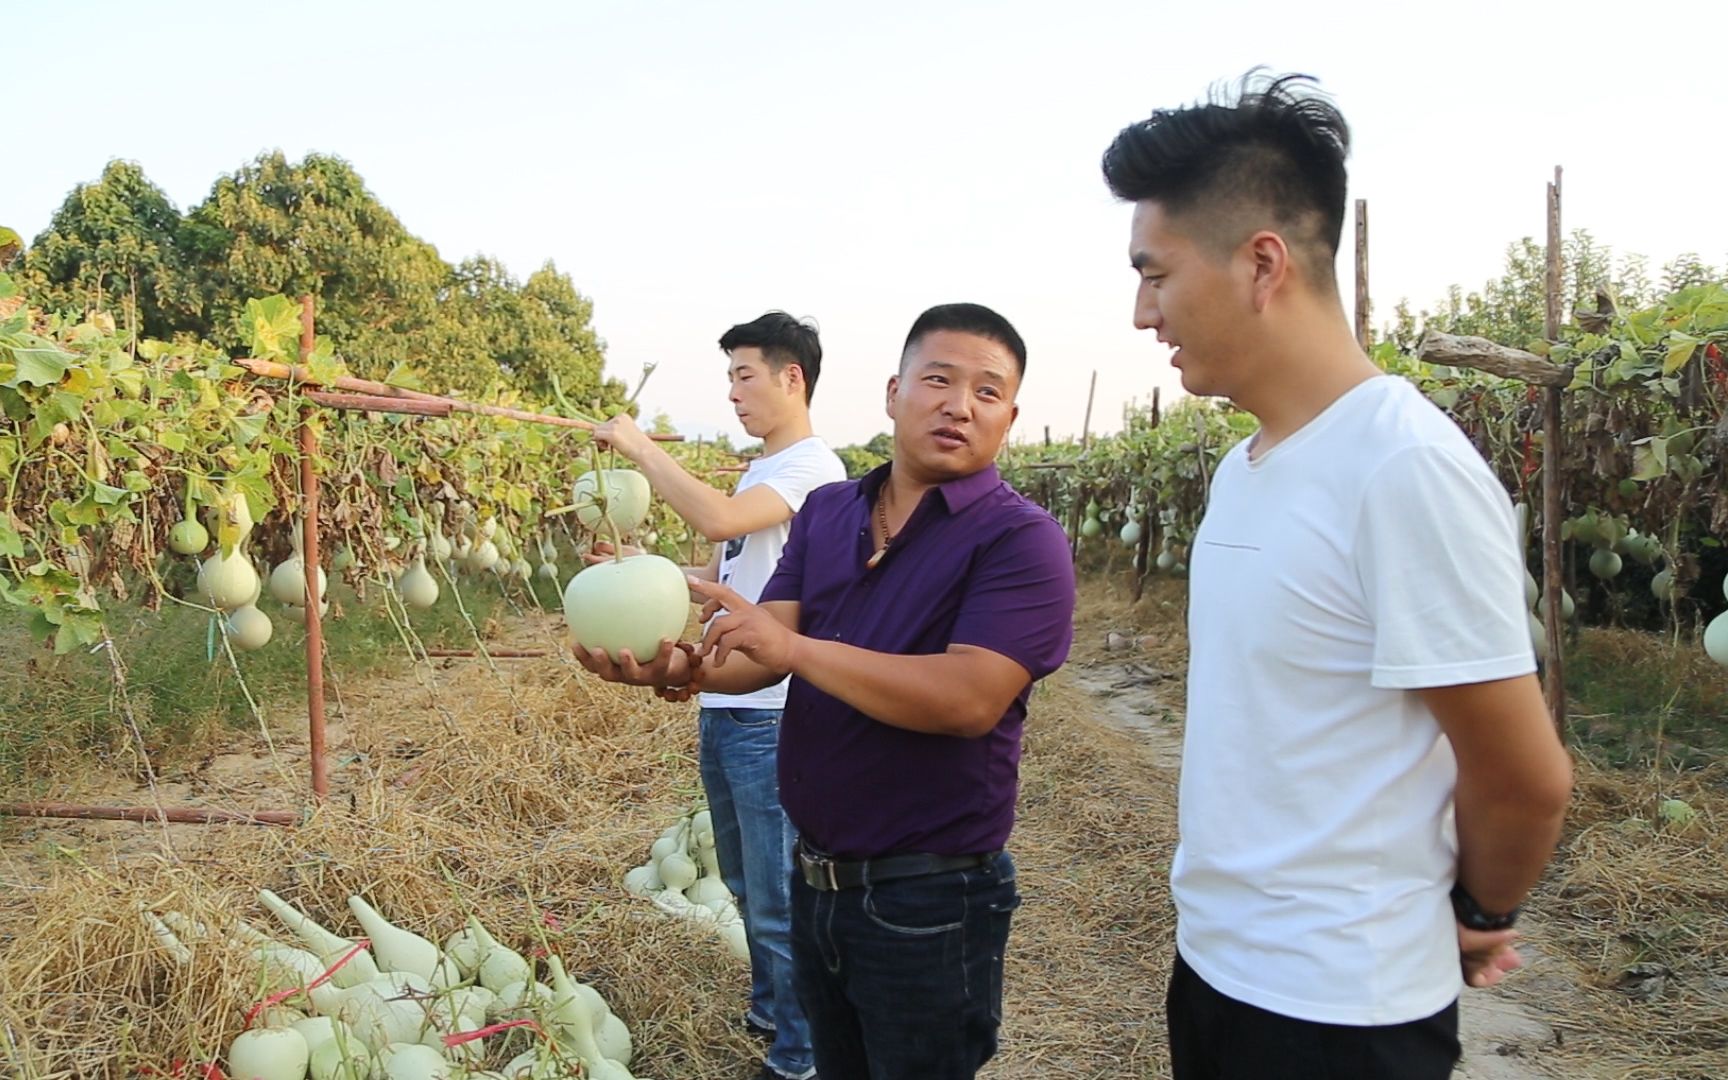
[774,363]
[1370,782]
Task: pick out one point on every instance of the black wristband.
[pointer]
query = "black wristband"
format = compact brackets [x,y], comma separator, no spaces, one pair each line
[1471,915]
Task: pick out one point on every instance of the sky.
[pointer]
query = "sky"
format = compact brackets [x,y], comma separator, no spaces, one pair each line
[691,165]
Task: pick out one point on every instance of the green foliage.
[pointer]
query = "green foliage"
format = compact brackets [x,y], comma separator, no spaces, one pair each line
[1646,443]
[386,302]
[860,459]
[117,245]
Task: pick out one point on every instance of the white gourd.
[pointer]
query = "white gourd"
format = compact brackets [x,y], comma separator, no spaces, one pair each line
[472,1052]
[389,1009]
[627,604]
[288,582]
[343,1060]
[395,948]
[325,945]
[247,628]
[318,1030]
[268,1054]
[710,860]
[165,937]
[463,948]
[228,581]
[510,998]
[548,571]
[418,587]
[643,880]
[413,1061]
[619,495]
[677,871]
[285,968]
[472,1002]
[298,614]
[710,892]
[1716,639]
[484,557]
[572,1015]
[736,939]
[664,846]
[499,966]
[613,1039]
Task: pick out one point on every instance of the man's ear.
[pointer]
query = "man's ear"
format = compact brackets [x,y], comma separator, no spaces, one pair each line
[1269,261]
[893,394]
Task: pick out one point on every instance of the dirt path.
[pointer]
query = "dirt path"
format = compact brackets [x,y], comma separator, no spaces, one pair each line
[1503,1038]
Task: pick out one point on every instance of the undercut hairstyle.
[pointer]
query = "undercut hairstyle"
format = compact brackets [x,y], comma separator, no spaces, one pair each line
[783,341]
[968,319]
[1268,155]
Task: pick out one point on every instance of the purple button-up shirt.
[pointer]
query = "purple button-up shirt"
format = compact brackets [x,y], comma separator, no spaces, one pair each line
[976,564]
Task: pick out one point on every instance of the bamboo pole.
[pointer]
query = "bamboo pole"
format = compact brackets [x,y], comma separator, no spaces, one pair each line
[1552,464]
[1363,334]
[177,815]
[378,403]
[309,554]
[299,373]
[1086,425]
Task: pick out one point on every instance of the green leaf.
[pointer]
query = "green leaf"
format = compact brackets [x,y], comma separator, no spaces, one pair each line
[106,495]
[271,327]
[39,366]
[248,428]
[11,544]
[1650,458]
[8,288]
[172,440]
[1680,350]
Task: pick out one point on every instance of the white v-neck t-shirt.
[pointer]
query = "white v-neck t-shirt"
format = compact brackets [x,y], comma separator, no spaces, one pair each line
[1370,554]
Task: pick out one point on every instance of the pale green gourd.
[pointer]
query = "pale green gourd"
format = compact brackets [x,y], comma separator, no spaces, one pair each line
[630,604]
[268,1054]
[323,944]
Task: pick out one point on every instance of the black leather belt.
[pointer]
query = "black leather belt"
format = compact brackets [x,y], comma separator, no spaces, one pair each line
[829,874]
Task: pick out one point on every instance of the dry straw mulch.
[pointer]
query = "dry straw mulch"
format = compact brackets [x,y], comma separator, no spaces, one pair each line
[526,812]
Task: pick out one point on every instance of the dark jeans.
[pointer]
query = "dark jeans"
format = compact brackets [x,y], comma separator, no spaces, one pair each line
[1213,1037]
[903,980]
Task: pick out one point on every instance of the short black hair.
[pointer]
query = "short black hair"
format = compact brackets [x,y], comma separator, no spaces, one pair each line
[968,319]
[783,340]
[1267,151]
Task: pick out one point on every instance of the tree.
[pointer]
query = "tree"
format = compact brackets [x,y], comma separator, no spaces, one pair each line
[275,227]
[116,246]
[536,338]
[860,459]
[1511,309]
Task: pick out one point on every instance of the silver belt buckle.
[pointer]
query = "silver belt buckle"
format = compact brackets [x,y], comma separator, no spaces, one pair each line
[824,868]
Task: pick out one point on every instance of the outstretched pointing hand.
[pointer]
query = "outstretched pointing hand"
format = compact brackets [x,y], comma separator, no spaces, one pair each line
[746,628]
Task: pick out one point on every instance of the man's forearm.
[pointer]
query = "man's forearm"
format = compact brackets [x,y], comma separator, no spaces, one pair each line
[936,693]
[690,498]
[1505,838]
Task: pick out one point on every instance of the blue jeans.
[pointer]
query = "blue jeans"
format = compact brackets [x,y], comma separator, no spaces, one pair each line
[739,753]
[903,979]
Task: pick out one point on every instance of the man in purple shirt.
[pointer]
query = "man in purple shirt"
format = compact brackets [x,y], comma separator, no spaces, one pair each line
[914,609]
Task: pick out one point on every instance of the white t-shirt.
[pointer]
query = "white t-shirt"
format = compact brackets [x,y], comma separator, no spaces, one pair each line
[1370,554]
[748,561]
